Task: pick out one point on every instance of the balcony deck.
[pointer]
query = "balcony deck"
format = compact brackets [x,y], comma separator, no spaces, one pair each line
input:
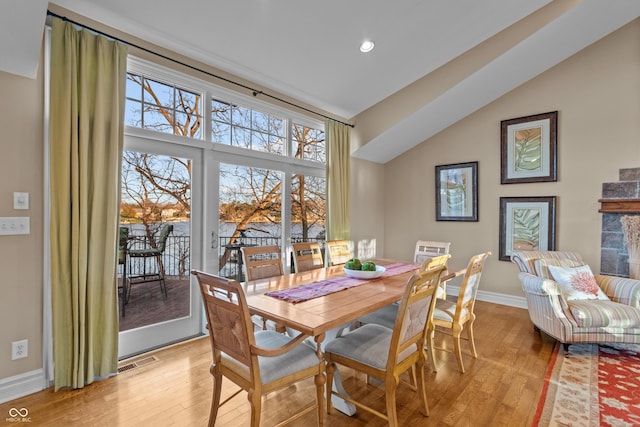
[147,304]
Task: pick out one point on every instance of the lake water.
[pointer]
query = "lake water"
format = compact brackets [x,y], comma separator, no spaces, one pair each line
[227,229]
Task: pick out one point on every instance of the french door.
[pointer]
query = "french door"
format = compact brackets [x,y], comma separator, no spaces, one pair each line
[161,186]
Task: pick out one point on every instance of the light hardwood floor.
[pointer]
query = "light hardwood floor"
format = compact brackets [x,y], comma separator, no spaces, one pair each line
[500,388]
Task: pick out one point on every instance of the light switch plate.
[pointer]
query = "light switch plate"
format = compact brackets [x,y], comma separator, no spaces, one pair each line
[13,225]
[20,200]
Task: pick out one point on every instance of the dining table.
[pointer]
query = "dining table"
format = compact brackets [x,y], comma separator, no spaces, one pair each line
[323,302]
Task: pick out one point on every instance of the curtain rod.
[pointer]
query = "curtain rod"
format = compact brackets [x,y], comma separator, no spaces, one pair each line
[255,92]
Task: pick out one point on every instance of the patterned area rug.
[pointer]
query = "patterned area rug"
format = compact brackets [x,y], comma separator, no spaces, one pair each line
[597,385]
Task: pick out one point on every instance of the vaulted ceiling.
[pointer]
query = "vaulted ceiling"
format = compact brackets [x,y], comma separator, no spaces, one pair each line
[310,50]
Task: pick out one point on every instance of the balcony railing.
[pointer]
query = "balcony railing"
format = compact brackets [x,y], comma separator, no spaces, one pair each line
[176,257]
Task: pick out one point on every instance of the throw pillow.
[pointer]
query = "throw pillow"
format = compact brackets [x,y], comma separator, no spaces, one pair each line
[542,265]
[577,283]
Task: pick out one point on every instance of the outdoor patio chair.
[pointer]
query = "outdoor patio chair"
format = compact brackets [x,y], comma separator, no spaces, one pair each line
[153,250]
[123,242]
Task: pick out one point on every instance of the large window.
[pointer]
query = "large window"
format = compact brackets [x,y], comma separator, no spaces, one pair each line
[172,108]
[265,164]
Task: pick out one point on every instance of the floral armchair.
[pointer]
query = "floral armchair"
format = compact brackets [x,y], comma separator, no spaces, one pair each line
[594,318]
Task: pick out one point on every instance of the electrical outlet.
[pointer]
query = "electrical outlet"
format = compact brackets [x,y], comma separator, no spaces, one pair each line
[19,349]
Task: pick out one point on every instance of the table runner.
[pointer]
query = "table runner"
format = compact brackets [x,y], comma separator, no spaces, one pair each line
[329,286]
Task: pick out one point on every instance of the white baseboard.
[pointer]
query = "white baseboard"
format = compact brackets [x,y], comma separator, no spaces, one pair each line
[21,385]
[496,298]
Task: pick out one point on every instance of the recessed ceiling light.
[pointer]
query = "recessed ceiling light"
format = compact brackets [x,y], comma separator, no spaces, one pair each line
[366,46]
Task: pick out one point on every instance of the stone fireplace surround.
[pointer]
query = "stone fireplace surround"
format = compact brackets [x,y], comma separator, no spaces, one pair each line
[618,199]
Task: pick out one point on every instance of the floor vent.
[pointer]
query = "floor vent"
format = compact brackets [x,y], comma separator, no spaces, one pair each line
[136,364]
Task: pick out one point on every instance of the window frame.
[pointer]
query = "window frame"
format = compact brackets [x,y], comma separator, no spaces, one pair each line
[214,154]
[212,91]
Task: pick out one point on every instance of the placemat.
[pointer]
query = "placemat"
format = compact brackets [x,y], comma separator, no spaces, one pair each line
[329,286]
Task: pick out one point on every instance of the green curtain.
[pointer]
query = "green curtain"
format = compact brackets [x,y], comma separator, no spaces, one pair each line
[338,155]
[87,96]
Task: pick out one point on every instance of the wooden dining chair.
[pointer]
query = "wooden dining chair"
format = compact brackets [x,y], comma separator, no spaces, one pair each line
[262,262]
[306,256]
[338,252]
[259,363]
[452,317]
[428,249]
[386,316]
[385,353]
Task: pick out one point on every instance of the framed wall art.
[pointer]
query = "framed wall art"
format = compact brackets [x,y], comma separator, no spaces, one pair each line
[527,224]
[457,192]
[528,147]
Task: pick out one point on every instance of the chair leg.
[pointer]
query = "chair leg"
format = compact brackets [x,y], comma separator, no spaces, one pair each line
[470,336]
[412,377]
[255,399]
[217,391]
[127,290]
[320,385]
[391,384]
[457,331]
[330,368]
[422,394]
[431,349]
[163,285]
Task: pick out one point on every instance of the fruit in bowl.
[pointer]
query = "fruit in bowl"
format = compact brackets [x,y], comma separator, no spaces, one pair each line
[368,266]
[364,270]
[353,264]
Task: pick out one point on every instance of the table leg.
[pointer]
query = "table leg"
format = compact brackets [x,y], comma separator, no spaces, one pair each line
[337,402]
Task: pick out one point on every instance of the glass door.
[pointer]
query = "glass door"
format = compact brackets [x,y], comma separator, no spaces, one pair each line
[158,301]
[250,214]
